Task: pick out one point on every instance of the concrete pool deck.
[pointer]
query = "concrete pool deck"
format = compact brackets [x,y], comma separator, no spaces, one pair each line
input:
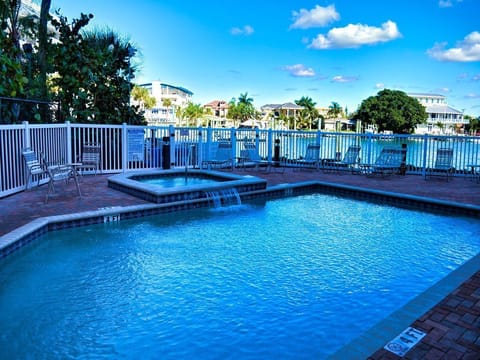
[452,326]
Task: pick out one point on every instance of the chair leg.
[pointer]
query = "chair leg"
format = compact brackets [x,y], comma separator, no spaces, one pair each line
[75,180]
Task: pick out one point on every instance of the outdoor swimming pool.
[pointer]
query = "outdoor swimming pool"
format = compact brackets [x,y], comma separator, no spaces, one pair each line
[292,278]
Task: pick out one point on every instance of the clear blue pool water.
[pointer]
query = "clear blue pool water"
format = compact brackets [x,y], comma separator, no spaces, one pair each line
[178,181]
[296,278]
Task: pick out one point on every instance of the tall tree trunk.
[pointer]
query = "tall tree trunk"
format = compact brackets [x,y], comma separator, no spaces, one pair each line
[42,57]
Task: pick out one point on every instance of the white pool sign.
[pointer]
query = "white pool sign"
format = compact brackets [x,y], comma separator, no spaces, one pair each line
[405,341]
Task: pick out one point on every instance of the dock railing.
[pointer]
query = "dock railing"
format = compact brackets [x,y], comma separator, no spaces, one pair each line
[134,148]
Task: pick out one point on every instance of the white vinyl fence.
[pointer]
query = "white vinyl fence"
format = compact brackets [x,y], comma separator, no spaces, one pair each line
[132,148]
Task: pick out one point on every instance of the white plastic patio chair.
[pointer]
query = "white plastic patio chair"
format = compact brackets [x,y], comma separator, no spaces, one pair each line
[33,166]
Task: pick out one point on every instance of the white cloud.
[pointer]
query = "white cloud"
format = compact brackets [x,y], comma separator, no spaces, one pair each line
[466,50]
[245,30]
[472,96]
[317,17]
[356,35]
[344,79]
[299,70]
[380,86]
[447,3]
[476,77]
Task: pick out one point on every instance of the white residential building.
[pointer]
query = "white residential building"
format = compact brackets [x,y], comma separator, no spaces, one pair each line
[442,119]
[161,115]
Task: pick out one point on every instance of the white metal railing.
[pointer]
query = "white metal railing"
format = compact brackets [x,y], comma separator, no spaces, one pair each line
[132,148]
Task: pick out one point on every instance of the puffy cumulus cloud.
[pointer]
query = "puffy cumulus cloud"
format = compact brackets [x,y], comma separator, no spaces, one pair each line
[317,17]
[344,79]
[356,35]
[299,70]
[380,86]
[245,30]
[467,50]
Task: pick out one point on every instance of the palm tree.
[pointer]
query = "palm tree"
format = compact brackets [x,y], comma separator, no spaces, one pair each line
[9,11]
[334,110]
[110,71]
[309,112]
[167,103]
[242,110]
[43,45]
[193,112]
[244,99]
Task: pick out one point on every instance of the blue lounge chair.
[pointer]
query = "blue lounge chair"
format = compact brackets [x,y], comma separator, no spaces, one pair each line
[348,163]
[443,166]
[311,158]
[222,157]
[388,163]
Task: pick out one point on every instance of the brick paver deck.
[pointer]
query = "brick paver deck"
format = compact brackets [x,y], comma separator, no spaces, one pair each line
[452,326]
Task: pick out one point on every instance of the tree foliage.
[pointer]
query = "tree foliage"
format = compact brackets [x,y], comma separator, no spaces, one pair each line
[94,74]
[241,110]
[142,95]
[334,110]
[88,74]
[392,110]
[11,72]
[473,126]
[308,117]
[193,114]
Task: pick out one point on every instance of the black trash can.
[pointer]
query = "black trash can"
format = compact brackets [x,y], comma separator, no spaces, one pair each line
[166,152]
[403,165]
[276,153]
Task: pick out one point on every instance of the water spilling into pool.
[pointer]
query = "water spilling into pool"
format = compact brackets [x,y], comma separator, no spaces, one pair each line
[292,278]
[223,197]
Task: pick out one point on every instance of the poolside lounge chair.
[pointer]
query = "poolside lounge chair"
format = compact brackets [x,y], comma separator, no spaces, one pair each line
[249,157]
[348,163]
[33,165]
[90,159]
[57,173]
[388,163]
[443,164]
[311,158]
[222,157]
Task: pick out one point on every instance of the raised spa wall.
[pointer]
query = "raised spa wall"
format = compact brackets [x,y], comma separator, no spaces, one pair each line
[128,183]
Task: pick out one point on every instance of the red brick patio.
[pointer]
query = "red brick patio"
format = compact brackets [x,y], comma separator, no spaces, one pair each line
[452,326]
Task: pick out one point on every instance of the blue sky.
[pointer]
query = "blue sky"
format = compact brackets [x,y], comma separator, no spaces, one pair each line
[278,51]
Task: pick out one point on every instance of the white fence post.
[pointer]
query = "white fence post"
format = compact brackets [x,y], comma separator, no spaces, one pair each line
[369,148]
[124,150]
[269,144]
[68,144]
[26,135]
[209,144]
[233,137]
